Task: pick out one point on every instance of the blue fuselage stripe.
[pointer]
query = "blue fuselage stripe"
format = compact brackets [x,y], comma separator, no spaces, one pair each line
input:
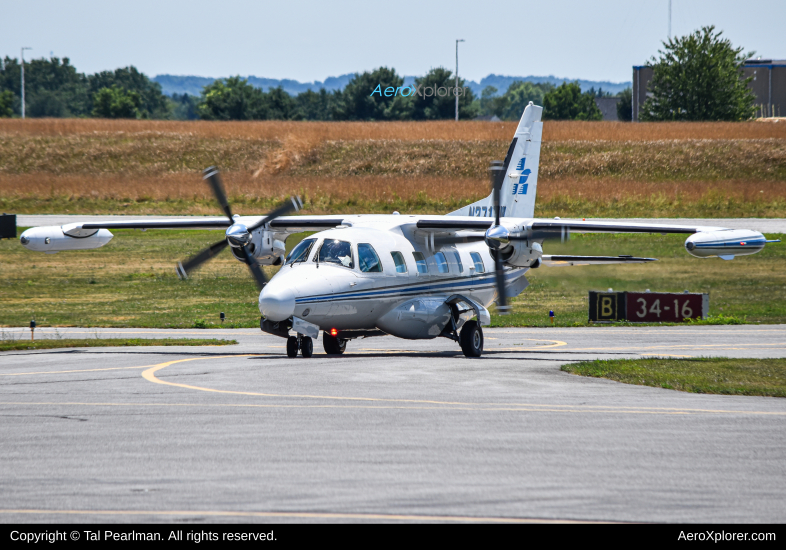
[487,280]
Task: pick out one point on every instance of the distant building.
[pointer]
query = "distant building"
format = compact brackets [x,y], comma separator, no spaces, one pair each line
[768,85]
[608,106]
[489,118]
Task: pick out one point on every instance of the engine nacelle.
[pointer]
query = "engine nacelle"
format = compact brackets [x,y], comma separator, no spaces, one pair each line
[51,239]
[265,247]
[522,254]
[725,244]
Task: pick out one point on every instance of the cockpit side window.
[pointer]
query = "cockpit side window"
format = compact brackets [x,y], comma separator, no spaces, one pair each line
[301,252]
[420,261]
[334,251]
[368,259]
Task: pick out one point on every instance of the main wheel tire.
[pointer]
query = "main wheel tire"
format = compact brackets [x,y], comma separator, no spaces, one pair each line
[292,347]
[471,339]
[307,346]
[333,345]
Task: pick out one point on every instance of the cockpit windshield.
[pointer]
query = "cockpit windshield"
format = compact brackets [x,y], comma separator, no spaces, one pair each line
[301,251]
[336,252]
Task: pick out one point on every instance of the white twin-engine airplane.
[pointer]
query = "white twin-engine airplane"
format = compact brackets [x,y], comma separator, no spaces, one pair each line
[413,277]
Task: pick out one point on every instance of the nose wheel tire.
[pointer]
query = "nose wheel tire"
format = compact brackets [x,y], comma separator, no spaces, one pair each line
[306,346]
[292,346]
[471,339]
[333,345]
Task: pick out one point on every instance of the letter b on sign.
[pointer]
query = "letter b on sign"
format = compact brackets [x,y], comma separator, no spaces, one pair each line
[606,309]
[605,306]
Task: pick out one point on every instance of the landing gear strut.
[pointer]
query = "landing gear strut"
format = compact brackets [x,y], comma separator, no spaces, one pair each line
[471,339]
[302,343]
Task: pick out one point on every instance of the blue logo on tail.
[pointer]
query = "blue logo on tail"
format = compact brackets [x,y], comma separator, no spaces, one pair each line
[520,188]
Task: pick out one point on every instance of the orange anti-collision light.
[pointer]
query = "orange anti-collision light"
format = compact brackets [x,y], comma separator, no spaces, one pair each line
[333,332]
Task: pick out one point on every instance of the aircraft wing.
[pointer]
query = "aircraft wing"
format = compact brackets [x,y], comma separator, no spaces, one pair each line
[284,224]
[581,226]
[543,226]
[296,224]
[164,223]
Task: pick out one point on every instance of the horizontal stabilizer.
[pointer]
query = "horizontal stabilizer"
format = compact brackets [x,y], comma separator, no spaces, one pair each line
[556,261]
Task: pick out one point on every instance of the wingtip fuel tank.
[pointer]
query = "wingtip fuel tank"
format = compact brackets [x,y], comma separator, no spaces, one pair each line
[725,244]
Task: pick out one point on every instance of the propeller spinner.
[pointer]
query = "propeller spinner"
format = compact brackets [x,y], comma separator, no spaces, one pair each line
[238,235]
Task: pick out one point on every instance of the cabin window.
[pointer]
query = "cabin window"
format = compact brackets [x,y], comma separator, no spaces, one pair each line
[368,259]
[479,267]
[338,252]
[301,252]
[420,261]
[442,263]
[398,259]
[458,261]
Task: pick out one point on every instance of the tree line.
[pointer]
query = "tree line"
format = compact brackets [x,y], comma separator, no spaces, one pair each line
[696,77]
[54,88]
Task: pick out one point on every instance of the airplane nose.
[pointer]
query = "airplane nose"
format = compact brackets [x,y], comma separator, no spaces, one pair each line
[276,303]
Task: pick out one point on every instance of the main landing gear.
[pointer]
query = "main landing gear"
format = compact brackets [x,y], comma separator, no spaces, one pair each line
[304,344]
[471,339]
[333,345]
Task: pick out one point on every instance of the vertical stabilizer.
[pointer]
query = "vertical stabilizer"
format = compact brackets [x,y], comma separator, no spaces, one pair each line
[517,198]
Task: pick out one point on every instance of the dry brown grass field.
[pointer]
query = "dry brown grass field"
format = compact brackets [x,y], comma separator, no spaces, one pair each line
[587,168]
[405,131]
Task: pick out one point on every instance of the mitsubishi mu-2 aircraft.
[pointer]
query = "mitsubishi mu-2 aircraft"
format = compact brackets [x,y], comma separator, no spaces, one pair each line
[414,277]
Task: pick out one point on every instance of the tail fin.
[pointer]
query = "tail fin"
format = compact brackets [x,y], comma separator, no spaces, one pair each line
[517,198]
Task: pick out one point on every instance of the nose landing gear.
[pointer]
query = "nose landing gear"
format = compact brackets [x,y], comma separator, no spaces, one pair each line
[304,344]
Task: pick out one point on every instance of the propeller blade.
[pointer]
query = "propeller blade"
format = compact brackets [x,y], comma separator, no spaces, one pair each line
[502,300]
[184,268]
[254,267]
[497,179]
[294,203]
[211,176]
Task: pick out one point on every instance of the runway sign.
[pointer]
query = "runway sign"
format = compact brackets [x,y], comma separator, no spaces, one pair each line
[654,307]
[647,307]
[606,306]
[8,226]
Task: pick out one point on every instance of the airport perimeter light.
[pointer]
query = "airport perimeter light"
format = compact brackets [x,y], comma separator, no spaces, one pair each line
[455,90]
[23,80]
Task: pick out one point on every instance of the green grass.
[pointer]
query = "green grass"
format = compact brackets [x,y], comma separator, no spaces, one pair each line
[131,282]
[51,343]
[702,375]
[750,289]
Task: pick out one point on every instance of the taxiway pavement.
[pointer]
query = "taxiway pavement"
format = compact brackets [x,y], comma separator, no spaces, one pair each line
[393,430]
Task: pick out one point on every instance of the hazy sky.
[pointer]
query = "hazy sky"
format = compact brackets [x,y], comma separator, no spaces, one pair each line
[313,39]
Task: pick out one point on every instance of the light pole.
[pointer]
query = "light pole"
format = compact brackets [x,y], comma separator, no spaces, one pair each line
[23,80]
[455,90]
[669,19]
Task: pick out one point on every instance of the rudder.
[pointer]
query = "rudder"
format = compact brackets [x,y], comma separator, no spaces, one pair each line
[517,197]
